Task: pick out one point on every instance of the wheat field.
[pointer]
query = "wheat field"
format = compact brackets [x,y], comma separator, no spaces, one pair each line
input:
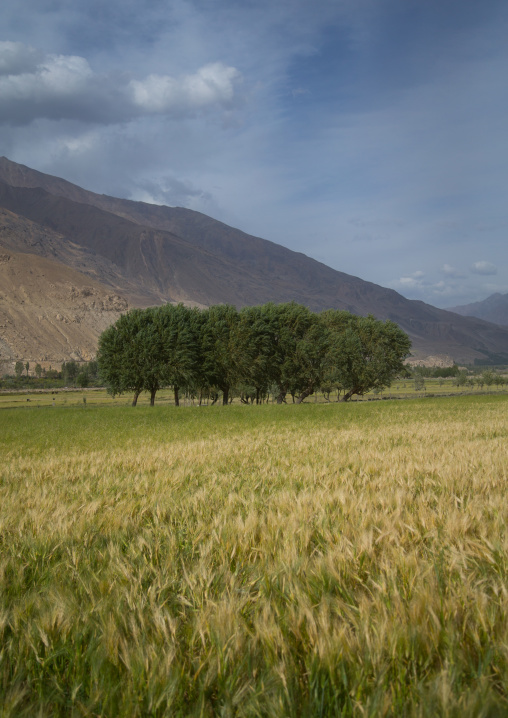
[320,560]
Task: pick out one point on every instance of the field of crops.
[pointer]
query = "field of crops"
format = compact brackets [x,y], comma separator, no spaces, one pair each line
[312,560]
[400,389]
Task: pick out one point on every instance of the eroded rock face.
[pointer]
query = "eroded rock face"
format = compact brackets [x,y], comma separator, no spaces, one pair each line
[51,313]
[441,361]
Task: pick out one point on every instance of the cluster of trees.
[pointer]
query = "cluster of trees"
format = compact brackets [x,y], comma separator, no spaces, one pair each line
[439,372]
[274,348]
[461,378]
[81,375]
[486,378]
[71,373]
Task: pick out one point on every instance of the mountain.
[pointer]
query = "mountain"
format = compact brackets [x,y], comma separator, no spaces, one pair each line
[146,254]
[49,312]
[493,309]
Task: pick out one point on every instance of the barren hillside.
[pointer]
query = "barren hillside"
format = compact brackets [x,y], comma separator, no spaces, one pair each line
[149,254]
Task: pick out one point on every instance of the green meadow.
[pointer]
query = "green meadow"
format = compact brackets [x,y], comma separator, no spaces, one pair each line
[326,559]
[400,389]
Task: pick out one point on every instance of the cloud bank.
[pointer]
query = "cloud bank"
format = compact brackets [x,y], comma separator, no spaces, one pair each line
[64,87]
[370,135]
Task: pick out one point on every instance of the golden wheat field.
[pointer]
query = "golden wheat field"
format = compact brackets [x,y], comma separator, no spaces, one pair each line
[313,560]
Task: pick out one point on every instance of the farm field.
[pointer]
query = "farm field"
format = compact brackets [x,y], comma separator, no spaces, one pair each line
[400,389]
[312,560]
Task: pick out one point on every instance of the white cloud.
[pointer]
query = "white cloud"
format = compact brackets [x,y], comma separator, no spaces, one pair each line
[213,84]
[55,76]
[486,268]
[409,282]
[416,286]
[17,58]
[412,281]
[416,279]
[56,87]
[450,271]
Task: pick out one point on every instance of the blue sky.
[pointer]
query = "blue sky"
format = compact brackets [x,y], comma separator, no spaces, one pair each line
[371,135]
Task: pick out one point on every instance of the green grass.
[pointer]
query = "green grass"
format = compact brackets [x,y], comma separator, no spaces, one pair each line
[403,389]
[312,560]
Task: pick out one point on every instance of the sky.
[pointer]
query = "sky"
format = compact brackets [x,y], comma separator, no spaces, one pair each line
[371,135]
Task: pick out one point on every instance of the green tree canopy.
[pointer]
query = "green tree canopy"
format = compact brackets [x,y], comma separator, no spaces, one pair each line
[284,346]
[365,353]
[223,348]
[120,355]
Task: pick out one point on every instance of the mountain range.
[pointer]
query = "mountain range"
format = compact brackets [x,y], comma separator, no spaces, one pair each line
[71,261]
[493,309]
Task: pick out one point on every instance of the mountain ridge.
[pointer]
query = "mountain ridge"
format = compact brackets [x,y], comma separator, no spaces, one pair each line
[492,309]
[150,254]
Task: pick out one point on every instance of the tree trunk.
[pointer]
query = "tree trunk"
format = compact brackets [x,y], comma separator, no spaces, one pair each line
[177,398]
[257,395]
[153,392]
[135,398]
[347,396]
[281,398]
[225,397]
[304,395]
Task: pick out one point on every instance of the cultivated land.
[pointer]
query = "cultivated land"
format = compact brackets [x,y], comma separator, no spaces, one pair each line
[400,389]
[312,560]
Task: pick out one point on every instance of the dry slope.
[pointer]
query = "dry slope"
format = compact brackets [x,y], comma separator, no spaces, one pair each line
[50,312]
[153,254]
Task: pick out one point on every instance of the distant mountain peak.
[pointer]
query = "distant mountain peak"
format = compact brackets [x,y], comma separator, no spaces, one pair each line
[492,309]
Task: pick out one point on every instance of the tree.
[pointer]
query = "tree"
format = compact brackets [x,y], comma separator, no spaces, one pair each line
[461,377]
[18,368]
[306,342]
[260,333]
[179,336]
[366,353]
[120,355]
[288,349]
[149,342]
[27,367]
[223,350]
[419,382]
[93,369]
[70,370]
[489,377]
[82,379]
[38,371]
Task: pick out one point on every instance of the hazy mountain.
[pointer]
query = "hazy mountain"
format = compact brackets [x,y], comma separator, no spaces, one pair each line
[150,254]
[493,309]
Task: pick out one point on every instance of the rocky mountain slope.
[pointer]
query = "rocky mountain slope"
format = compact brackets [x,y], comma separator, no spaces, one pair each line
[148,254]
[493,309]
[49,312]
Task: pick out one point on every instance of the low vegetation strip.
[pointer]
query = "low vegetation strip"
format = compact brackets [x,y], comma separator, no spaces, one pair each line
[315,561]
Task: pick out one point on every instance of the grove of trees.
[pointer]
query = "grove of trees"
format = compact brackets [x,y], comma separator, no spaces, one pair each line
[282,349]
